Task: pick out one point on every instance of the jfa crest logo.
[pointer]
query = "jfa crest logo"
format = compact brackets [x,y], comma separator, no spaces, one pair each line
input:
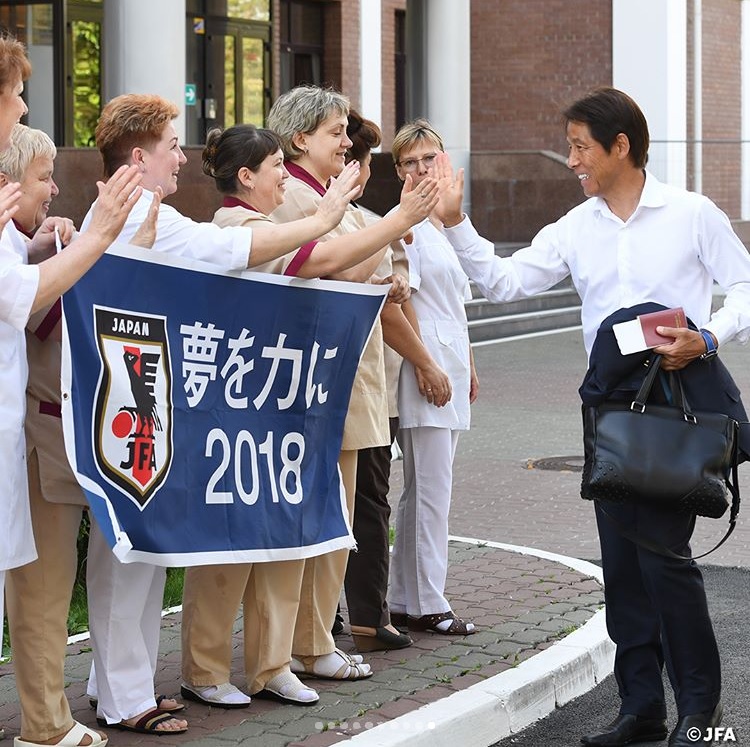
[133,413]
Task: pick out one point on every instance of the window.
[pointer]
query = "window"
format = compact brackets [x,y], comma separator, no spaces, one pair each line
[301,43]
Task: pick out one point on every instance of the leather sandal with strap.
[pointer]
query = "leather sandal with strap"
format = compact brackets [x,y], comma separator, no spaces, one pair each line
[434,624]
[148,723]
[70,739]
[338,665]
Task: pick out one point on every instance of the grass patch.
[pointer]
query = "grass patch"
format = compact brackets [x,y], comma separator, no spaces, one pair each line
[78,616]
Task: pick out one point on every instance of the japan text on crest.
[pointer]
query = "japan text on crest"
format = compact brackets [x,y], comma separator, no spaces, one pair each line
[133,412]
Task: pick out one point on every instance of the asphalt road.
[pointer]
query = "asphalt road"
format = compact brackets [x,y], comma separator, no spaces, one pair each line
[528,417]
[728,593]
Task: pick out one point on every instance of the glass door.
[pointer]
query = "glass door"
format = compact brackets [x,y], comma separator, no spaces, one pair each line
[229,66]
[83,65]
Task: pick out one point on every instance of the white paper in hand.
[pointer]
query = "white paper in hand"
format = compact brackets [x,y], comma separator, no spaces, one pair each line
[630,337]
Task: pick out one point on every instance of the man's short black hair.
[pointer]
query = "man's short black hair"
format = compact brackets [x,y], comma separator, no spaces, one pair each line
[608,112]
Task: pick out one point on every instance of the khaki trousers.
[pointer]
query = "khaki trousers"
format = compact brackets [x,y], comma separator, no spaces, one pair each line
[269,594]
[38,598]
[323,580]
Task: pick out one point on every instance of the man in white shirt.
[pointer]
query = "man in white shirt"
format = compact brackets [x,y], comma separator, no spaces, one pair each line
[634,241]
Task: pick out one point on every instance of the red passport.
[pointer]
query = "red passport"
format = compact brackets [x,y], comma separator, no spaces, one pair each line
[666,318]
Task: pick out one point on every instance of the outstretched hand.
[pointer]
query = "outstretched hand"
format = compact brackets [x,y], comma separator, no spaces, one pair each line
[10,194]
[115,201]
[341,191]
[417,202]
[145,236]
[451,191]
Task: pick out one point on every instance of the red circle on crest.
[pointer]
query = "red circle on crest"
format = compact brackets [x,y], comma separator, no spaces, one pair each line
[122,425]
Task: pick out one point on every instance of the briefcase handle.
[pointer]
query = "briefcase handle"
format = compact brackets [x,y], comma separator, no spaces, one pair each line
[677,391]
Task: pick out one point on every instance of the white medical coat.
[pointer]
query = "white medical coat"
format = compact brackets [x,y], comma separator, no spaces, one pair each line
[18,286]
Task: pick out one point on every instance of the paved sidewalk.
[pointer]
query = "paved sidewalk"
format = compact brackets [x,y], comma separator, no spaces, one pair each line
[522,604]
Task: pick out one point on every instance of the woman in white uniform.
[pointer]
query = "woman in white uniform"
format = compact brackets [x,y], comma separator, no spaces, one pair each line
[25,288]
[428,435]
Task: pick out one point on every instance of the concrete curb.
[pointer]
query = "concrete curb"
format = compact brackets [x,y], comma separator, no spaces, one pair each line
[512,700]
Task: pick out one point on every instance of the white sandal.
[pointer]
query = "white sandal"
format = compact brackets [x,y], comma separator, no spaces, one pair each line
[338,665]
[225,695]
[287,688]
[71,739]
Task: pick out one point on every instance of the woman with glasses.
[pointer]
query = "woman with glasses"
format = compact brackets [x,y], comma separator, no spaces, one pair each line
[428,435]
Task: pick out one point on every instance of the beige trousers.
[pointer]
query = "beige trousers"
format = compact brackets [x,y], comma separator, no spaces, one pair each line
[269,594]
[323,580]
[38,599]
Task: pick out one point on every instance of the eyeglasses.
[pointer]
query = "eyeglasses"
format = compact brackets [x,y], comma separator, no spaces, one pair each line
[412,164]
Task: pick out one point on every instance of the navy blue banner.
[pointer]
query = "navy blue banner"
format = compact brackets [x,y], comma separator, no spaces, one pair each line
[204,411]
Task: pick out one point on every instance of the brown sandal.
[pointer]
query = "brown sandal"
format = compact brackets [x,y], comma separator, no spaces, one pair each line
[148,723]
[431,622]
[400,620]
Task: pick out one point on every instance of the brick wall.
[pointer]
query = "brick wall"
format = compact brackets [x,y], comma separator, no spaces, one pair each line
[78,169]
[721,103]
[275,46]
[341,68]
[516,193]
[529,58]
[388,118]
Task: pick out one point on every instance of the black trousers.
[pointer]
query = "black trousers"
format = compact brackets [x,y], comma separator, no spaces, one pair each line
[366,581]
[657,614]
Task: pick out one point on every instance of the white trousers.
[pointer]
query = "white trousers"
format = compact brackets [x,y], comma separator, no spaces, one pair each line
[419,564]
[125,603]
[2,608]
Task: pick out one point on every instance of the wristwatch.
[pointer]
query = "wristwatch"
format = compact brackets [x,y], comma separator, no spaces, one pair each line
[711,349]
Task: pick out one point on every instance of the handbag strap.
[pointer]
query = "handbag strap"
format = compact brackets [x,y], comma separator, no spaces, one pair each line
[639,403]
[676,389]
[733,485]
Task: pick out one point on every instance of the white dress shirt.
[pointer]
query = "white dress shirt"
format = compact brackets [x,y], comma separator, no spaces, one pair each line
[18,287]
[228,248]
[670,251]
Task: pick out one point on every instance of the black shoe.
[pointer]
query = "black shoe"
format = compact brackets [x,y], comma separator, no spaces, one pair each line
[685,734]
[400,621]
[627,728]
[338,625]
[379,639]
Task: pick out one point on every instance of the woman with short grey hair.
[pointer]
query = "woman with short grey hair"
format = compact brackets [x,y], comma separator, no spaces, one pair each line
[312,124]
